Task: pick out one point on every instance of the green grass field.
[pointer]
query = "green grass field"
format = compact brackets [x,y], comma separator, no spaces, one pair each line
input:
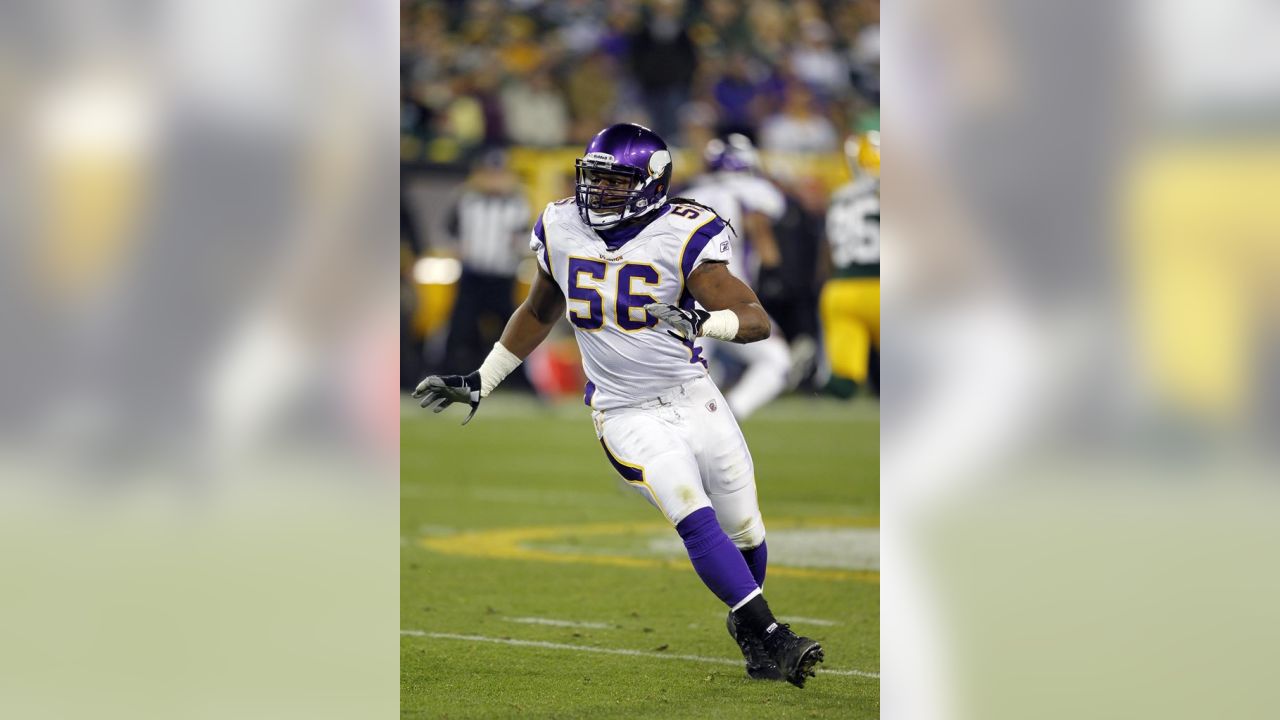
[534,583]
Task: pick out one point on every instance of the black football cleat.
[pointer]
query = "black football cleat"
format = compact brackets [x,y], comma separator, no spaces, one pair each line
[759,665]
[794,655]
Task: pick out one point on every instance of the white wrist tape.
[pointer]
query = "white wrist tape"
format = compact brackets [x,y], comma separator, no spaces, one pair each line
[722,325]
[496,367]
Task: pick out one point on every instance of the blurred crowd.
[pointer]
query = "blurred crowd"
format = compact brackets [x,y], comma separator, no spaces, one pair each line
[792,76]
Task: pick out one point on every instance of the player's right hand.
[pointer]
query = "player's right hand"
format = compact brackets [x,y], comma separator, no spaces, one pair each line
[686,324]
[440,391]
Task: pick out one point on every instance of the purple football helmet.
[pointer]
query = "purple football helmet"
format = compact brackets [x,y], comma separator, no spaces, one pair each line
[733,154]
[624,174]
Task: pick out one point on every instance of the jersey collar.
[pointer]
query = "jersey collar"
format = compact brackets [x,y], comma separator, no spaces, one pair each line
[615,238]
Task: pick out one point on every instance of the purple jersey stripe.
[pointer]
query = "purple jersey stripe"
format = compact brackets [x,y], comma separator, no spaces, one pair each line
[695,353]
[692,250]
[541,234]
[588,393]
[630,473]
[694,247]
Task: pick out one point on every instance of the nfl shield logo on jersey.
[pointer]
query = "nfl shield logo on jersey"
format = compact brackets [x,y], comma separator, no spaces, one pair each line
[711,405]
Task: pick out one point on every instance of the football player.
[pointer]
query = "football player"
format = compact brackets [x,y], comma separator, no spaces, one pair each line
[750,204]
[850,302]
[629,268]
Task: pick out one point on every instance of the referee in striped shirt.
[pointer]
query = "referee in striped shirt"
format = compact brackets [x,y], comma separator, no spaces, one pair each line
[489,221]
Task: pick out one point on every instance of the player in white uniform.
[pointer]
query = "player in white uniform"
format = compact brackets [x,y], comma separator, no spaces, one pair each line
[628,269]
[750,204]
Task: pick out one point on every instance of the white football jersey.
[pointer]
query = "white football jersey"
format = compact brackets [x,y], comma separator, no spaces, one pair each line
[733,195]
[628,358]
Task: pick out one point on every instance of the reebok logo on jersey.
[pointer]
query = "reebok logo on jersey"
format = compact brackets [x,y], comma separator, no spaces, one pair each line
[711,405]
[724,246]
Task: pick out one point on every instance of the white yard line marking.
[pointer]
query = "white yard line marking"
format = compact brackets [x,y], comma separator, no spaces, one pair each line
[610,651]
[809,621]
[802,620]
[558,623]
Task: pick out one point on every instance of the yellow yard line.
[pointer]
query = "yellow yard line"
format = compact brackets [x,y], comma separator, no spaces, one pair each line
[511,544]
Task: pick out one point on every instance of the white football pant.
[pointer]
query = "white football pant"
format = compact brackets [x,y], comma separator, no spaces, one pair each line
[684,451]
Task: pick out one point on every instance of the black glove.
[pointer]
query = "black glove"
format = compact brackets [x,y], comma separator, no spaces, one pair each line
[441,391]
[687,323]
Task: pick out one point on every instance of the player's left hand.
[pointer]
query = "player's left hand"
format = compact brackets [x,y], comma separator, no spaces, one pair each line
[440,391]
[687,324]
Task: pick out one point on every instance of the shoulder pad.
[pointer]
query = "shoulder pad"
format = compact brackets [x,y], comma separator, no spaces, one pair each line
[555,209]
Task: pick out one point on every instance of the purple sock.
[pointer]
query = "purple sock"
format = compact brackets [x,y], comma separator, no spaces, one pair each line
[757,559]
[715,558]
